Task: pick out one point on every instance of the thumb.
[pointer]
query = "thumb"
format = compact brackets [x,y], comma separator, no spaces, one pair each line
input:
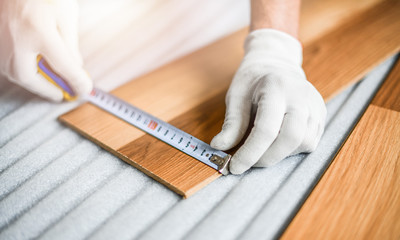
[63,63]
[237,117]
[26,76]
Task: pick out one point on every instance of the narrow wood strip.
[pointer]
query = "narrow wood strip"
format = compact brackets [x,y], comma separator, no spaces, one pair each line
[175,89]
[359,195]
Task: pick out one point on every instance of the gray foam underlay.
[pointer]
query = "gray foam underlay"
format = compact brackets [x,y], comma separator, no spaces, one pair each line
[56,184]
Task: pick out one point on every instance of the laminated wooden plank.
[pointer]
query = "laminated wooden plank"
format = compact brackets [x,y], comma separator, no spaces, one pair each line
[359,195]
[318,17]
[178,92]
[344,55]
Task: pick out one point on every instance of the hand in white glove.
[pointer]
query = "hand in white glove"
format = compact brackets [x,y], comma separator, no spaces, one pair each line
[46,27]
[290,112]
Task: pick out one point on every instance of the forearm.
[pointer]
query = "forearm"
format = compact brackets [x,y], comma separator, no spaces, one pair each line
[282,15]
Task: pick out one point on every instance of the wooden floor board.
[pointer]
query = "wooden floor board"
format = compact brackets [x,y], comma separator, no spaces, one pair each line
[359,195]
[176,92]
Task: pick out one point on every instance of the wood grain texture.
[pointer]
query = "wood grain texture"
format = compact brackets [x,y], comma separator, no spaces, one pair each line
[329,14]
[347,53]
[174,93]
[359,195]
[389,94]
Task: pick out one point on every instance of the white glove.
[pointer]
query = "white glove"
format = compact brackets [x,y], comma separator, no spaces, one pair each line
[46,27]
[290,112]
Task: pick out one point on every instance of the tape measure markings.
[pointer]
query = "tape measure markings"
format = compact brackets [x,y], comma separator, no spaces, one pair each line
[161,130]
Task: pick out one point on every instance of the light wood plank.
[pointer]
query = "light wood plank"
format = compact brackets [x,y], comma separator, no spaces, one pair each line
[318,17]
[346,54]
[176,91]
[166,92]
[359,195]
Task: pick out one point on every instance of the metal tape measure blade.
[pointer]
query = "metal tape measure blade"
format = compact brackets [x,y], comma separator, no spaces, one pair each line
[161,130]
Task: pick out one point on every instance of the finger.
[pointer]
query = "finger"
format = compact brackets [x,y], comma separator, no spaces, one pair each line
[266,128]
[61,61]
[289,139]
[320,132]
[27,77]
[312,136]
[237,117]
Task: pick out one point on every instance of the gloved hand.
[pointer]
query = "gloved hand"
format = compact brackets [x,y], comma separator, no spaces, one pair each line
[46,27]
[290,112]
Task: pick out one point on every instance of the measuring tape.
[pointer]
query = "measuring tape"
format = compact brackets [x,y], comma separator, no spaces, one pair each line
[146,122]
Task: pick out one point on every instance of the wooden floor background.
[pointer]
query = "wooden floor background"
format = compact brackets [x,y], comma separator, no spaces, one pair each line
[55,184]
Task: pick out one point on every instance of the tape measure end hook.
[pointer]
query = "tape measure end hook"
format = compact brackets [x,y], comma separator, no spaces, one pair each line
[222,163]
